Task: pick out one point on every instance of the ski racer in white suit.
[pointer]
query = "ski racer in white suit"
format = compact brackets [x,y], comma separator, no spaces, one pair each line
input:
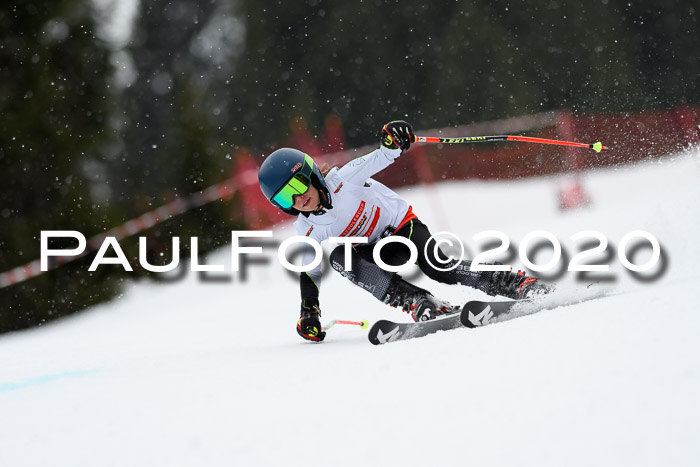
[347,202]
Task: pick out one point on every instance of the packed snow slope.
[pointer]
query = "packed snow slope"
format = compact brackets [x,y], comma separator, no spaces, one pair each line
[213,373]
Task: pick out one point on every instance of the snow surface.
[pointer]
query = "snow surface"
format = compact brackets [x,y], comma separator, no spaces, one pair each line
[213,373]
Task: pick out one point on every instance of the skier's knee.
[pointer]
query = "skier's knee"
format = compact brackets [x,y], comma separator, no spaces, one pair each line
[337,258]
[432,273]
[436,274]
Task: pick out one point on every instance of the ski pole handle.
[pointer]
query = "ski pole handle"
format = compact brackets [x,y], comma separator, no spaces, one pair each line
[364,324]
[597,147]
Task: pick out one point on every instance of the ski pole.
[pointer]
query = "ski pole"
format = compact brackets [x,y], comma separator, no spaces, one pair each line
[364,324]
[597,147]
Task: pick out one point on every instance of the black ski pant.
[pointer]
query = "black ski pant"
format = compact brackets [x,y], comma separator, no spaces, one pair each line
[368,275]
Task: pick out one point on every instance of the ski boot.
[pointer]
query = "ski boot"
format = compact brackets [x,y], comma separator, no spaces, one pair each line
[517,286]
[420,304]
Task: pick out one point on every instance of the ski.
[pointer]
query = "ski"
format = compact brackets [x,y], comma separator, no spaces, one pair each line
[472,314]
[477,313]
[385,331]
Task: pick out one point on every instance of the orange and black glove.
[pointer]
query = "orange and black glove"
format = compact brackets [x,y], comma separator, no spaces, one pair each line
[397,135]
[309,324]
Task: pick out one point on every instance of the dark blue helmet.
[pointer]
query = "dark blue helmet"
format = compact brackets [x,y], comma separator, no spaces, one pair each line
[288,172]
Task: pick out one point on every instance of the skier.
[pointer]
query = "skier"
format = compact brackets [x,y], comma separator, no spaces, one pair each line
[348,203]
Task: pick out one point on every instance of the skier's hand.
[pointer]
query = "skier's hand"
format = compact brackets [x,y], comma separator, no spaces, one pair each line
[397,135]
[309,324]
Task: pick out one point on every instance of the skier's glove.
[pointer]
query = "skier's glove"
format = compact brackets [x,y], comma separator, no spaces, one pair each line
[397,135]
[309,325]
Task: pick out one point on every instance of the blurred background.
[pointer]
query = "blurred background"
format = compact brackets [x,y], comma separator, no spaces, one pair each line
[147,118]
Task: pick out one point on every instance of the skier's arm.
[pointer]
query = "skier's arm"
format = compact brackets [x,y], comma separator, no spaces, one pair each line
[309,324]
[308,286]
[357,171]
[396,137]
[310,281]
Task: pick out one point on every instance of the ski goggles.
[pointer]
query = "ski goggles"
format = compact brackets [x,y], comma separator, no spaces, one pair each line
[297,185]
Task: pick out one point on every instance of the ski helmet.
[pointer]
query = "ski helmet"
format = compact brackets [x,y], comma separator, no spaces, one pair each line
[288,172]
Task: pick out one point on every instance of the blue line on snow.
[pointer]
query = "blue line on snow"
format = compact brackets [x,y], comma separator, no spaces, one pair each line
[6,387]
